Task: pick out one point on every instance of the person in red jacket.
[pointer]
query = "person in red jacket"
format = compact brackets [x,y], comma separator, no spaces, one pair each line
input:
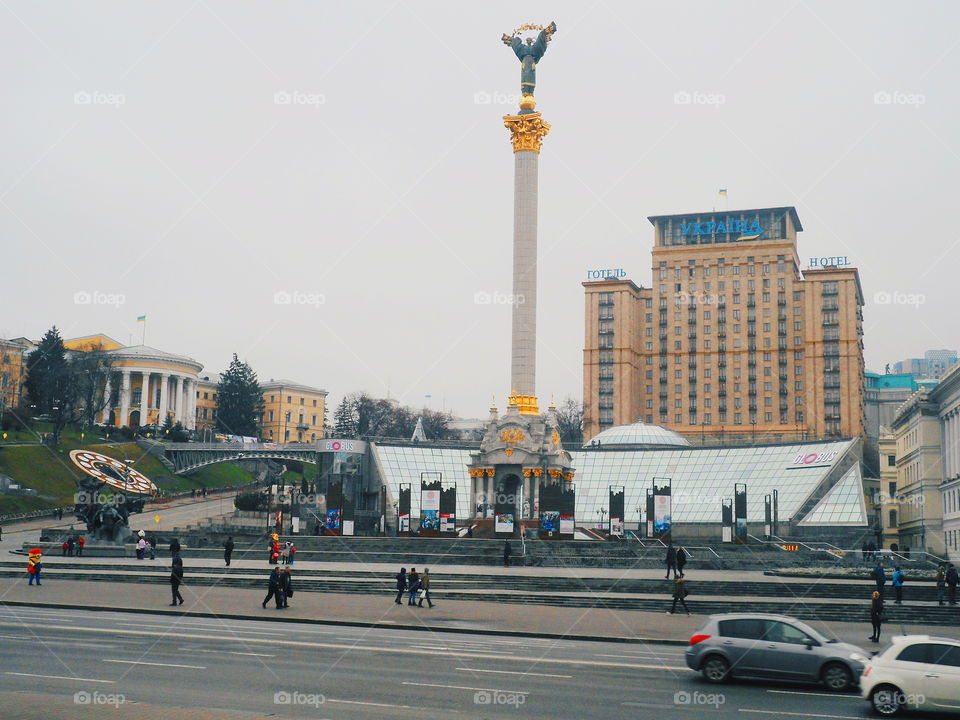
[80,543]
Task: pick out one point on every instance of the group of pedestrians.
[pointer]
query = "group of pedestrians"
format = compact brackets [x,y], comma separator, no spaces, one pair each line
[73,546]
[146,546]
[947,578]
[279,587]
[417,585]
[676,560]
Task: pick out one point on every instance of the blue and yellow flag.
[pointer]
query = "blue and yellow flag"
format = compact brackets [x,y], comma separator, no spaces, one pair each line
[723,191]
[141,318]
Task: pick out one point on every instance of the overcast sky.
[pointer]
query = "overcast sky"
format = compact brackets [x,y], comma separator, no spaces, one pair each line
[190,160]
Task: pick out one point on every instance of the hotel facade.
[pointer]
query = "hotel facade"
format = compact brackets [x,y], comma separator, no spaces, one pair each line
[733,341]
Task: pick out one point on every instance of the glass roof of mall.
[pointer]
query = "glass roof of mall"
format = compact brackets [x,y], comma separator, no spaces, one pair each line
[701,478]
[638,433]
[843,504]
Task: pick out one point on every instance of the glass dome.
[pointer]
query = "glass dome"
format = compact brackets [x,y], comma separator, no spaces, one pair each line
[638,433]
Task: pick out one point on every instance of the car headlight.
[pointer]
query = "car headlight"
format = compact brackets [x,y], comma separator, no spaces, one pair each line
[859,658]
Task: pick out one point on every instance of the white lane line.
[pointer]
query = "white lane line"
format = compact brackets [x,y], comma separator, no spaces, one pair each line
[155,664]
[218,652]
[361,702]
[466,687]
[59,677]
[273,642]
[514,672]
[806,715]
[646,656]
[801,692]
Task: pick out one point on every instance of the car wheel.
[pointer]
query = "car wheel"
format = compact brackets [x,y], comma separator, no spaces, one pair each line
[715,669]
[837,677]
[885,700]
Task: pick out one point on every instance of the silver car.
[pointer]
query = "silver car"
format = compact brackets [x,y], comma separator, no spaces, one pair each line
[772,646]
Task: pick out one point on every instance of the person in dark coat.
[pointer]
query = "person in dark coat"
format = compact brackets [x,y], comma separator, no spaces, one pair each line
[286,587]
[413,585]
[952,579]
[273,589]
[876,615]
[880,577]
[174,546]
[401,584]
[679,593]
[681,560]
[176,577]
[671,561]
[506,553]
[228,550]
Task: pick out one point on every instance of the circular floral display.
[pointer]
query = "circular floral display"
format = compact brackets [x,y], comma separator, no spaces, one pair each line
[113,472]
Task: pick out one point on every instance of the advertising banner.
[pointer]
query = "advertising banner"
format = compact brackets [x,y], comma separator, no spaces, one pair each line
[403,509]
[430,499]
[740,512]
[616,509]
[430,486]
[348,527]
[503,523]
[566,524]
[649,512]
[550,522]
[430,520]
[726,520]
[662,509]
[448,510]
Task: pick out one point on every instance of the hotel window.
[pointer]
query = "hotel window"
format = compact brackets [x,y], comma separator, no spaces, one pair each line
[751,269]
[289,400]
[648,346]
[736,269]
[314,404]
[314,422]
[301,401]
[738,418]
[271,416]
[720,270]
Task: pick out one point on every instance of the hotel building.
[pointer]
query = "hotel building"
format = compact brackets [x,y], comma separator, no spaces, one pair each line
[733,341]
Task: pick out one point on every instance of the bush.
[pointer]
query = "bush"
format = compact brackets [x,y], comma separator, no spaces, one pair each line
[251,501]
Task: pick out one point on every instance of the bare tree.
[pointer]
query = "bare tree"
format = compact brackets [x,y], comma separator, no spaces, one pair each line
[89,372]
[570,422]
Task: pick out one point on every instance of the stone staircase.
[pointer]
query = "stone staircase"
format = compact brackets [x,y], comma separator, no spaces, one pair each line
[825,601]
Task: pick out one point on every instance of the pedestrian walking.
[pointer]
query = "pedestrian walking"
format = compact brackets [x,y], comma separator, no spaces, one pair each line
[897,583]
[174,547]
[401,584]
[176,578]
[880,577]
[64,547]
[681,559]
[34,565]
[413,585]
[273,588]
[228,550]
[285,553]
[864,551]
[941,579]
[506,553]
[286,586]
[71,543]
[81,541]
[425,588]
[59,513]
[952,579]
[141,548]
[877,617]
[291,553]
[671,560]
[680,593]
[152,542]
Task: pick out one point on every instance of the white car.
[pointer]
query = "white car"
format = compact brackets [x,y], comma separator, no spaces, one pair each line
[917,672]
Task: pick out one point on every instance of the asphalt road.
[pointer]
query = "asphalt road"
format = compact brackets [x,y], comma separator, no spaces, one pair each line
[90,661]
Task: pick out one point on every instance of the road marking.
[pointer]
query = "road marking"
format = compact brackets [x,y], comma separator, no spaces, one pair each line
[378,649]
[818,694]
[361,702]
[218,652]
[59,677]
[632,657]
[514,672]
[155,664]
[466,687]
[808,715]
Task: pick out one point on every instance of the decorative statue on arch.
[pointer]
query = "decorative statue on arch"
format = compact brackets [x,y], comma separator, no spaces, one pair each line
[529,52]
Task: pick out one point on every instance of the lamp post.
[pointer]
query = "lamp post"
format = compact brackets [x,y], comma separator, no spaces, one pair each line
[602,513]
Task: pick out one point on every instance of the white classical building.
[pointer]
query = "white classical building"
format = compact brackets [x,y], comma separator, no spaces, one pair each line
[153,384]
[947,396]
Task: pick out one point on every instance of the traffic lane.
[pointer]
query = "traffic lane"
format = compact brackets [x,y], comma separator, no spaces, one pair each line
[426,687]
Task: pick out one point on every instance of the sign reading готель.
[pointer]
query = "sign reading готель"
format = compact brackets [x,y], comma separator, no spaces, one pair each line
[606,274]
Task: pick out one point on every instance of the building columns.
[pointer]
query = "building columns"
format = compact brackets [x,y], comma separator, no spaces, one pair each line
[145,398]
[105,415]
[177,399]
[125,397]
[164,382]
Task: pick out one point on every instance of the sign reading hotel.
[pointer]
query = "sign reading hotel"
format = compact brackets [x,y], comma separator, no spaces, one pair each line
[606,274]
[830,261]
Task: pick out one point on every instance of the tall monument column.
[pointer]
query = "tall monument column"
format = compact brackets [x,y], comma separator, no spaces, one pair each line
[527,130]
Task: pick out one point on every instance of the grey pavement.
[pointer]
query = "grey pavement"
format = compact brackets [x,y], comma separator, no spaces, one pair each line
[72,664]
